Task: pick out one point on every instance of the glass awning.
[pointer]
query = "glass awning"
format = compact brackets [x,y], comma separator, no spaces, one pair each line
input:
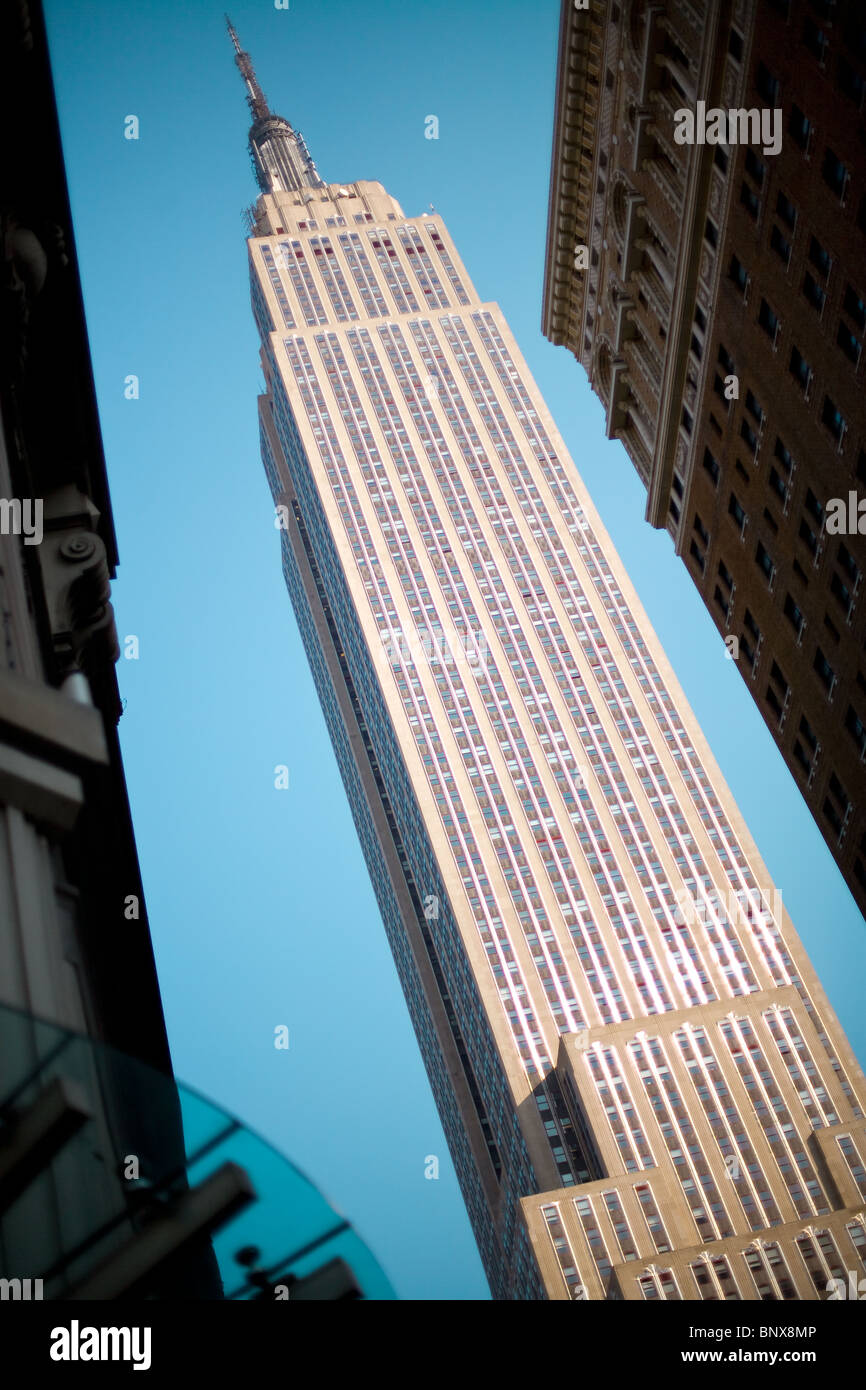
[116,1181]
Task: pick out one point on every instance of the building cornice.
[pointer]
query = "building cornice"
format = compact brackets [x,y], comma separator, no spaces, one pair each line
[574,131]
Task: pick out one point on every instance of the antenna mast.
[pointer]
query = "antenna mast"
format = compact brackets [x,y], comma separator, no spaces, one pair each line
[255,96]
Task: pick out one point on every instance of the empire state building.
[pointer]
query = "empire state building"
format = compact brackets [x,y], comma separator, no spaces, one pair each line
[645,1092]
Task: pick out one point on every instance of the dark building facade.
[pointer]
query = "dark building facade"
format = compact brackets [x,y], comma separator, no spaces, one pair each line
[76,960]
[715,293]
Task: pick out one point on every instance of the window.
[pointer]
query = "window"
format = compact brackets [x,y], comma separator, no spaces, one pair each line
[779,680]
[748,434]
[735,45]
[809,734]
[813,293]
[856,728]
[808,537]
[701,530]
[813,506]
[754,168]
[854,306]
[851,346]
[800,127]
[778,486]
[768,320]
[846,560]
[764,561]
[793,614]
[781,247]
[784,456]
[802,758]
[750,201]
[767,85]
[773,701]
[834,420]
[800,369]
[711,232]
[726,577]
[835,174]
[711,467]
[697,556]
[753,407]
[838,792]
[786,210]
[736,511]
[826,674]
[805,752]
[833,816]
[819,257]
[815,39]
[849,81]
[738,273]
[841,593]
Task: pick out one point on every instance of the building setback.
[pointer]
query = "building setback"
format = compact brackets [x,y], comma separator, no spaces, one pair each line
[719,311]
[644,1089]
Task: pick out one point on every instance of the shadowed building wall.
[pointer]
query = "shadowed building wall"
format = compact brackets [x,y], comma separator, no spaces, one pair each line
[715,295]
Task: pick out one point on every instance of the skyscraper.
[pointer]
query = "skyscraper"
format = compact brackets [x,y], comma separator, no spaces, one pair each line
[719,310]
[588,941]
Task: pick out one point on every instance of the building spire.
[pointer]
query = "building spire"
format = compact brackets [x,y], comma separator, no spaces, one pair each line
[255,96]
[281,160]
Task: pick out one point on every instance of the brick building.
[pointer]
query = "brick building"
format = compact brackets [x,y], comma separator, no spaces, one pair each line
[721,318]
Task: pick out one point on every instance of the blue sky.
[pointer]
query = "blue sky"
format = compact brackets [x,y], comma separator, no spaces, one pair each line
[260,906]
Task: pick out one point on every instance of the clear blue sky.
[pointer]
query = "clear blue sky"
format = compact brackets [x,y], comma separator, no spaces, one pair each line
[261,909]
